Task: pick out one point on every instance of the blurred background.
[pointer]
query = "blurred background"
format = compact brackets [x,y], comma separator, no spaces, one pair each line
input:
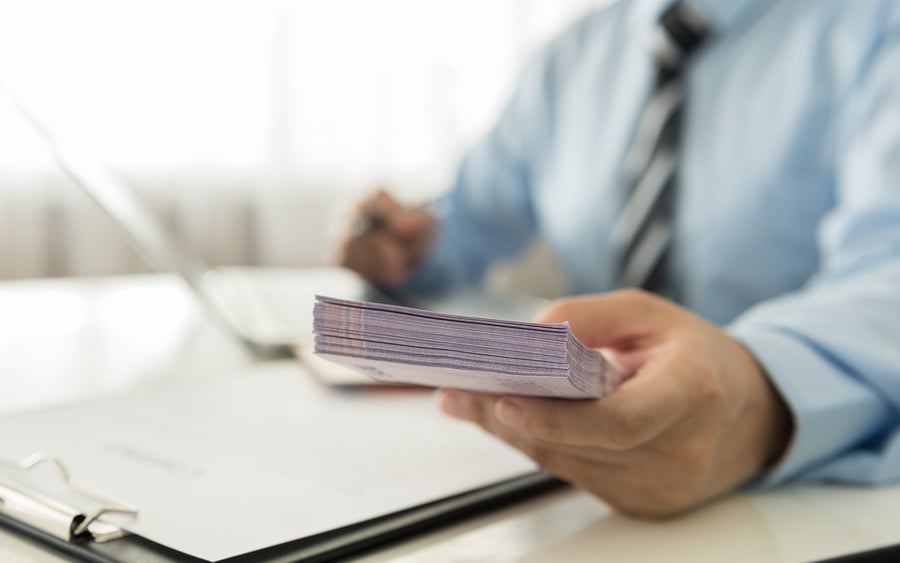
[249,126]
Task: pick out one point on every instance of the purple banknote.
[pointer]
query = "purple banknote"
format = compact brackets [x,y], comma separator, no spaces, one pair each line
[397,344]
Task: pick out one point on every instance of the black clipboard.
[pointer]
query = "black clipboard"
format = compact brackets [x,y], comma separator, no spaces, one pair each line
[81,534]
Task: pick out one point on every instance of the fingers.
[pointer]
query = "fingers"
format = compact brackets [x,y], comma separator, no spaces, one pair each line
[384,212]
[380,206]
[642,408]
[671,378]
[378,257]
[477,408]
[386,240]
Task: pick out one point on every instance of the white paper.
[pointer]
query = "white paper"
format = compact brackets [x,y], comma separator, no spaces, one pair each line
[257,460]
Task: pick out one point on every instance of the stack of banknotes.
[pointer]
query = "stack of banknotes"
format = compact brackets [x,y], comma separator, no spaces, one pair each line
[396,344]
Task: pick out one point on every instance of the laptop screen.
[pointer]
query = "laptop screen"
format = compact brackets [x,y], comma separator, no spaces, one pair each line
[144,231]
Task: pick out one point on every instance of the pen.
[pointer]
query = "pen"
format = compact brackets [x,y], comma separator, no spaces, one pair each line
[367,223]
[373,220]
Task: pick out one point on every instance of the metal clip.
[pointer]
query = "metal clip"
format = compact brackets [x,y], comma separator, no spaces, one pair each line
[53,516]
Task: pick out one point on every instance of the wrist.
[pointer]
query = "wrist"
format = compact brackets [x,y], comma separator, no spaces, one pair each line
[772,417]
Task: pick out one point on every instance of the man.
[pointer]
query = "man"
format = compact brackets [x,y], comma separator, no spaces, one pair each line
[772,218]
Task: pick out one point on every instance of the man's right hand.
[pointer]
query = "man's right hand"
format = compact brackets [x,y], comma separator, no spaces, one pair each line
[386,240]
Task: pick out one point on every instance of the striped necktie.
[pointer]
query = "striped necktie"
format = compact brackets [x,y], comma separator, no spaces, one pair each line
[643,232]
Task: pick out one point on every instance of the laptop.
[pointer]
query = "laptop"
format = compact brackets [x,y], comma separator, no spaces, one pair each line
[268,309]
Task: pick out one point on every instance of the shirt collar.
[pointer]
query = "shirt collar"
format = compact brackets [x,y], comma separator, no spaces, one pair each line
[721,15]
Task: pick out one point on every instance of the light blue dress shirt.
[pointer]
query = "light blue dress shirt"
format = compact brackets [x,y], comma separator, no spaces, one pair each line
[788,204]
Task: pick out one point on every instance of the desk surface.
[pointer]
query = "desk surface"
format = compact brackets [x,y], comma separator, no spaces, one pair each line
[63,341]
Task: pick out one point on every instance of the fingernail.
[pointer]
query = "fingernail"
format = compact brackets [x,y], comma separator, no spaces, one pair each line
[510,413]
[453,404]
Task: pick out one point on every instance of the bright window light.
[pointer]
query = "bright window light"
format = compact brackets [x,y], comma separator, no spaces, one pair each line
[359,89]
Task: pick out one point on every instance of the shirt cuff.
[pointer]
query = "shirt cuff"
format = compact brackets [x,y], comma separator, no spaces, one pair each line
[832,411]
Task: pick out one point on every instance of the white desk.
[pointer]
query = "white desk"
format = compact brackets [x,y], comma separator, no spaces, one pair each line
[67,340]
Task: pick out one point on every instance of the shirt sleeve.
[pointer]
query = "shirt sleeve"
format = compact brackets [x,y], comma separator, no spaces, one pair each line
[488,213]
[833,348]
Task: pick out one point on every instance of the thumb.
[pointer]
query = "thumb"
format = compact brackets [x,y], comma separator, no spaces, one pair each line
[621,319]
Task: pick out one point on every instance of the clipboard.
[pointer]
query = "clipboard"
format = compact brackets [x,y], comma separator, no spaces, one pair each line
[80,534]
[80,521]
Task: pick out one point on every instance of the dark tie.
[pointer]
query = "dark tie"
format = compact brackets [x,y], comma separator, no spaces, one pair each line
[642,235]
